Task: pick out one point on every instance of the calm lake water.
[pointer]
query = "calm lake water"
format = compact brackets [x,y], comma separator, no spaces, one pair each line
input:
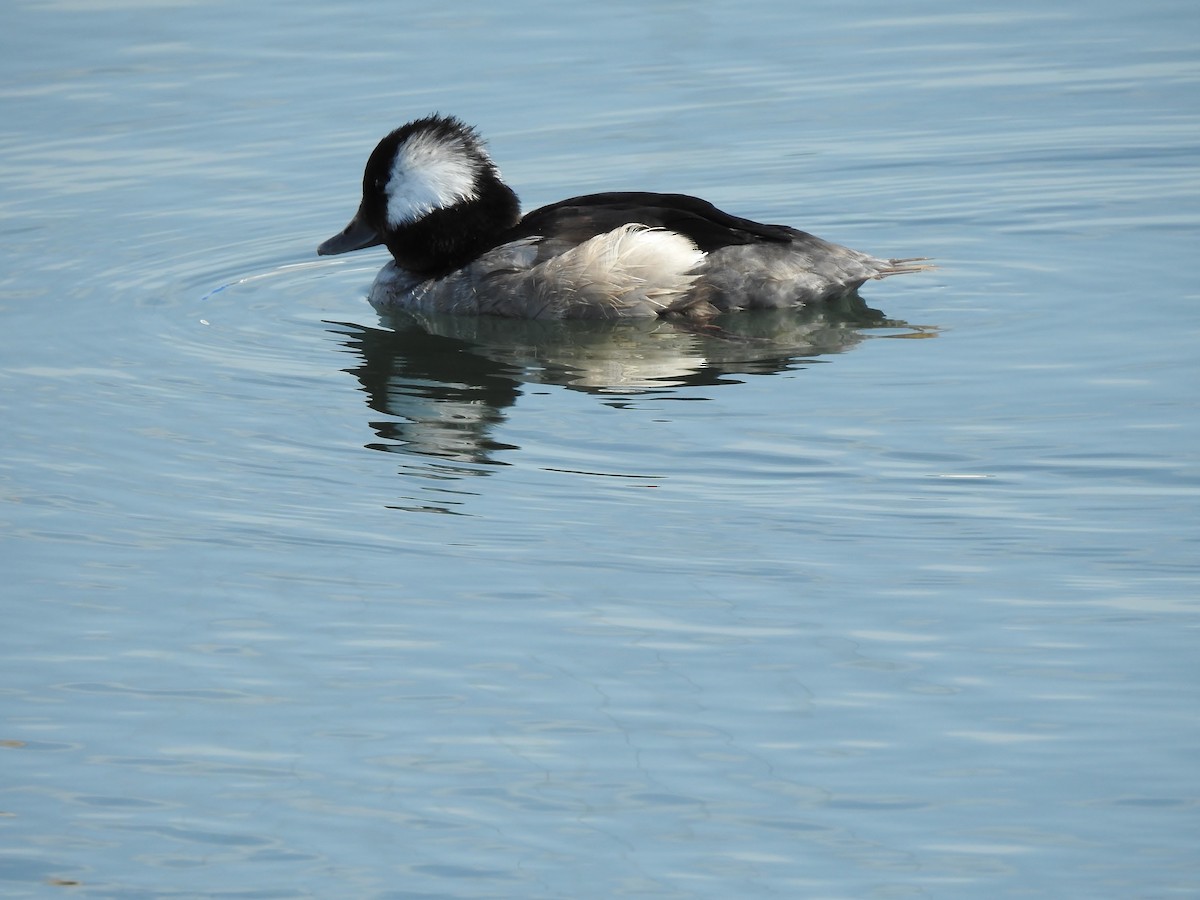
[299,602]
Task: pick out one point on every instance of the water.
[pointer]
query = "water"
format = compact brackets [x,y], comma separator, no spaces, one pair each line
[304,603]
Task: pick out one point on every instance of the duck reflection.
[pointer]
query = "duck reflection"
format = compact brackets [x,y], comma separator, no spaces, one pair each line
[446,382]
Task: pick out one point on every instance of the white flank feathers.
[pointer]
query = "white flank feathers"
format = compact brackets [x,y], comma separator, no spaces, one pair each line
[631,271]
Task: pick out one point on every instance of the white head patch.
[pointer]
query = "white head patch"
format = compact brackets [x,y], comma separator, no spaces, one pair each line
[430,172]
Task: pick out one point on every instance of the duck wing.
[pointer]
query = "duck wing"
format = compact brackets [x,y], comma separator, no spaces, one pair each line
[578,219]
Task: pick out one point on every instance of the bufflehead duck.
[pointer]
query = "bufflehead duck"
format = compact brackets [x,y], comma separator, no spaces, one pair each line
[459,243]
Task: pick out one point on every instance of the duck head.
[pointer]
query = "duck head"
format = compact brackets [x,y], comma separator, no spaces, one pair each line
[433,196]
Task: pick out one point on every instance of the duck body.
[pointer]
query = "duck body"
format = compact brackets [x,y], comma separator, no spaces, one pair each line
[459,244]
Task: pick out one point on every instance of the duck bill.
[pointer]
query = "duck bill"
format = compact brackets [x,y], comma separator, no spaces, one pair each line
[355,236]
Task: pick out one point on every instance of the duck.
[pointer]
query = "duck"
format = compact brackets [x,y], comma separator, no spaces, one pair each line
[460,245]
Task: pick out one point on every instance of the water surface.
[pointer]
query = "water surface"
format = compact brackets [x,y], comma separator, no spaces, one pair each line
[892,600]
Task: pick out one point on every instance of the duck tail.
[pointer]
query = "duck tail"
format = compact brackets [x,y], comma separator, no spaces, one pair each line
[903,266]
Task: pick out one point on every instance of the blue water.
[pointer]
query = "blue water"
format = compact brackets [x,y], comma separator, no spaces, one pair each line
[300,602]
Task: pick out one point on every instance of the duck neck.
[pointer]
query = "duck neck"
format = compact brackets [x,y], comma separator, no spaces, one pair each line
[449,238]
